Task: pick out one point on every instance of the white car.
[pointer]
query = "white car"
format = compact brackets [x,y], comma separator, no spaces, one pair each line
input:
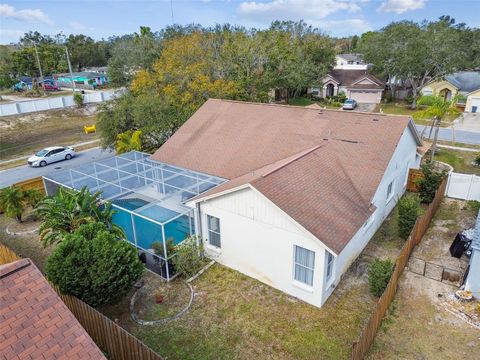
[50,155]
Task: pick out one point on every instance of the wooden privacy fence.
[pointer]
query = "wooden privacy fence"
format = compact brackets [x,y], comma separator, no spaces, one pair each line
[33,183]
[361,346]
[111,338]
[413,176]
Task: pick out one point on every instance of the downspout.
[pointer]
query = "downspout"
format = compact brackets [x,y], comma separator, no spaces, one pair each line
[198,228]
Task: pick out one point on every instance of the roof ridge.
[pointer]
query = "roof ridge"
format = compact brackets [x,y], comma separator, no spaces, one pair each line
[305,107]
[293,159]
[14,266]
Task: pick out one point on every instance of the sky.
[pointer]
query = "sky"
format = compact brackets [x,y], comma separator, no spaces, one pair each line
[104,18]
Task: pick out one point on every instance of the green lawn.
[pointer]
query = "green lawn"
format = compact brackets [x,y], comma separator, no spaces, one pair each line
[404,109]
[461,161]
[300,101]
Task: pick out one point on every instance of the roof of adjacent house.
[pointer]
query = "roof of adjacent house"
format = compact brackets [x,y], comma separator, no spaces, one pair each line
[321,167]
[83,74]
[466,81]
[349,78]
[34,322]
[351,57]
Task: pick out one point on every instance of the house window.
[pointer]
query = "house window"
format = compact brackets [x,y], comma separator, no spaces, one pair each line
[213,224]
[304,264]
[390,190]
[329,271]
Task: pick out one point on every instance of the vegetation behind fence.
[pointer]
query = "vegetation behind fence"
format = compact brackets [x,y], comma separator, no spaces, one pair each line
[111,338]
[361,346]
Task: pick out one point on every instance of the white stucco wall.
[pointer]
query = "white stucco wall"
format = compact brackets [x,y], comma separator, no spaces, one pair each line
[258,239]
[342,64]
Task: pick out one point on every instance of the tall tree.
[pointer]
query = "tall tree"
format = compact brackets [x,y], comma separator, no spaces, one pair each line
[415,52]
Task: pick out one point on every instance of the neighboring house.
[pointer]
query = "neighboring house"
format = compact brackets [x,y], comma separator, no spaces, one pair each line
[355,84]
[82,78]
[25,83]
[305,188]
[472,281]
[97,69]
[466,84]
[350,62]
[34,322]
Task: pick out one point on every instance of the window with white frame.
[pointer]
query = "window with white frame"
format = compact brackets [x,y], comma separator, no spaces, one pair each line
[390,190]
[213,225]
[329,271]
[304,264]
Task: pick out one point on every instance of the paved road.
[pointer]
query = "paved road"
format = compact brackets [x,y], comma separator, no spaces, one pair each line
[11,176]
[447,134]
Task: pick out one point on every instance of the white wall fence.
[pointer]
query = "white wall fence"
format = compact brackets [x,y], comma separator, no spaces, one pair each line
[59,102]
[463,186]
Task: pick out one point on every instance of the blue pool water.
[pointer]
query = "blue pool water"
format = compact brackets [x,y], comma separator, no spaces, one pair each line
[147,231]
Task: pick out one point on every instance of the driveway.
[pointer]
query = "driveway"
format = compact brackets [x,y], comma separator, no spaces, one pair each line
[364,107]
[20,173]
[468,122]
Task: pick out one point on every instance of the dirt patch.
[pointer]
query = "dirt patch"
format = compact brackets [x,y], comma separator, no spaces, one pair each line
[174,296]
[419,327]
[27,246]
[23,134]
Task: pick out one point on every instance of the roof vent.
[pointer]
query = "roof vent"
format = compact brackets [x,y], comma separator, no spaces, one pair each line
[375,119]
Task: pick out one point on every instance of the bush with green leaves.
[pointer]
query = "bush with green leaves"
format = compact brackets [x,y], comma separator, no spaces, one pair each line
[476,161]
[189,257]
[93,265]
[157,247]
[429,183]
[379,274]
[78,99]
[408,212]
[68,209]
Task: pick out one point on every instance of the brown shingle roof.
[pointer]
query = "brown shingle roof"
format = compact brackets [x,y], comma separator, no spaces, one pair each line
[34,322]
[349,77]
[322,168]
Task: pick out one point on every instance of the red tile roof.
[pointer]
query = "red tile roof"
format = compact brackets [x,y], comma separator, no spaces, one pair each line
[321,167]
[34,322]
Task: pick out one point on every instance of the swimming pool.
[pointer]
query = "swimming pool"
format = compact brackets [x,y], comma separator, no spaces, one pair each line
[147,231]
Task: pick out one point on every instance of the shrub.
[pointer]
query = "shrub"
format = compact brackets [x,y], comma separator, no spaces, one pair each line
[476,161]
[408,211]
[93,265]
[64,212]
[428,185]
[14,199]
[379,274]
[78,98]
[157,247]
[189,255]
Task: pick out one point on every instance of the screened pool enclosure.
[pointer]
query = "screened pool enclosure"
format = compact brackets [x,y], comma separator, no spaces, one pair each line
[148,197]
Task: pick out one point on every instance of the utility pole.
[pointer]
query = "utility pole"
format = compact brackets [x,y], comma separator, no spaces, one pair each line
[39,68]
[70,69]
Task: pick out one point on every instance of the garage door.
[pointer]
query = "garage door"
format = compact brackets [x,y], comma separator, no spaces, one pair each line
[366,96]
[475,105]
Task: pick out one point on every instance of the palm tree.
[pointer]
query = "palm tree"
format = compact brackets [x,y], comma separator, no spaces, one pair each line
[129,141]
[436,108]
[12,202]
[64,212]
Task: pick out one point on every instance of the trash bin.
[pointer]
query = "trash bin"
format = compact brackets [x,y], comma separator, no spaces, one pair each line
[459,245]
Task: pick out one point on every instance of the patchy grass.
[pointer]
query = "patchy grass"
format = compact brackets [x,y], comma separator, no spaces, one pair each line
[461,161]
[300,101]
[404,109]
[236,317]
[457,144]
[23,134]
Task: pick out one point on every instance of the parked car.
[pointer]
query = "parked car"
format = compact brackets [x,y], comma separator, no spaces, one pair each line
[50,87]
[50,155]
[349,104]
